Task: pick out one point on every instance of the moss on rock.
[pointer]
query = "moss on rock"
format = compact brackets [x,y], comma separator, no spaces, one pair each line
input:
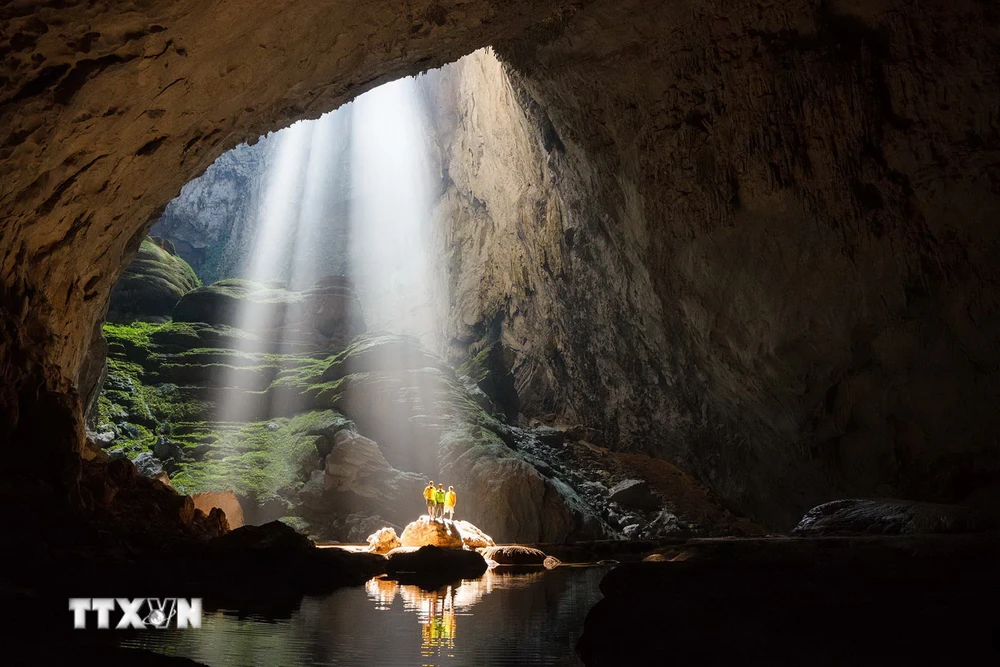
[152,285]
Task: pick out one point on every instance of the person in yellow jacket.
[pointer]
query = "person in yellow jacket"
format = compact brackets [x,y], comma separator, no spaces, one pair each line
[439,501]
[450,500]
[429,497]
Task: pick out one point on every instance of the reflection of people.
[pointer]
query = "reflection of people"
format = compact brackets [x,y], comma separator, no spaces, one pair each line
[429,497]
[450,500]
[439,501]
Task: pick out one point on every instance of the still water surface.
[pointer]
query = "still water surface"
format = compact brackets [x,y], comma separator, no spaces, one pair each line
[498,619]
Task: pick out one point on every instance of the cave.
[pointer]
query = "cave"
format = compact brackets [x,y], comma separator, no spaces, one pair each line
[732,258]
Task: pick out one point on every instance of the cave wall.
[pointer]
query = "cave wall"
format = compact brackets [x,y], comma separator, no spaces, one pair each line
[755,239]
[106,113]
[760,243]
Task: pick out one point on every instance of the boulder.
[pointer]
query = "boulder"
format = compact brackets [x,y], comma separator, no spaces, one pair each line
[436,562]
[472,536]
[634,493]
[272,537]
[428,532]
[514,555]
[165,448]
[889,517]
[223,500]
[383,541]
[148,465]
[151,286]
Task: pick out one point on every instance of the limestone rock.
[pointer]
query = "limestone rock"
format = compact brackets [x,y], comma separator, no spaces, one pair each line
[425,531]
[890,517]
[383,541]
[634,493]
[148,465]
[472,536]
[223,500]
[514,555]
[152,284]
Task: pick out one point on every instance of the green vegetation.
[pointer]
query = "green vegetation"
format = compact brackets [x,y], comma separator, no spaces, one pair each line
[476,368]
[260,460]
[151,285]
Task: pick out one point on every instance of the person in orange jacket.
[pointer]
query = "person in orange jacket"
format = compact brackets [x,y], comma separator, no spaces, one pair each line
[450,500]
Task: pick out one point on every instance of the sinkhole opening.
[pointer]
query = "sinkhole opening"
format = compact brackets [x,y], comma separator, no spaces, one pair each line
[316,329]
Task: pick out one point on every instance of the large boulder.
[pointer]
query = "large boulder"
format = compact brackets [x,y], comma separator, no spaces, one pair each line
[635,494]
[225,501]
[889,517]
[472,536]
[152,284]
[383,541]
[428,532]
[514,555]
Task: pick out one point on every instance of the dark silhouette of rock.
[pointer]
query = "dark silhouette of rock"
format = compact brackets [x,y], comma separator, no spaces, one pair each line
[434,561]
[890,517]
[827,601]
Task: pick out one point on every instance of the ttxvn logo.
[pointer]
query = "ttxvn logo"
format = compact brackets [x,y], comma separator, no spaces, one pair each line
[140,613]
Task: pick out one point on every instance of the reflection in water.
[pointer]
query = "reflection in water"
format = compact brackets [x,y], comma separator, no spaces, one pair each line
[436,609]
[499,619]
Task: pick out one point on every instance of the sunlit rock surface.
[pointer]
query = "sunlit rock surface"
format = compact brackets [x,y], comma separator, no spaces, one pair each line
[224,500]
[383,540]
[444,533]
[431,532]
[472,536]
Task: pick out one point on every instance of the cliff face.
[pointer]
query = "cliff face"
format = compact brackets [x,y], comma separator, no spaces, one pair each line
[763,250]
[755,240]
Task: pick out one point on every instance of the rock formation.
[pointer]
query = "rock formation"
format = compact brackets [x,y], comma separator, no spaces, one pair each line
[443,533]
[425,531]
[152,284]
[383,540]
[226,501]
[514,555]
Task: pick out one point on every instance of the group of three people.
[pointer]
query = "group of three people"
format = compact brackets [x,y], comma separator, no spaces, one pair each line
[439,501]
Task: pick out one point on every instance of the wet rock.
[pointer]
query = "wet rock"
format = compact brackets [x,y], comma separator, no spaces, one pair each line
[889,517]
[514,555]
[425,531]
[223,500]
[634,493]
[383,541]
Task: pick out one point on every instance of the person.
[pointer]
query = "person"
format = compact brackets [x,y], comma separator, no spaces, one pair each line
[429,497]
[439,501]
[450,500]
